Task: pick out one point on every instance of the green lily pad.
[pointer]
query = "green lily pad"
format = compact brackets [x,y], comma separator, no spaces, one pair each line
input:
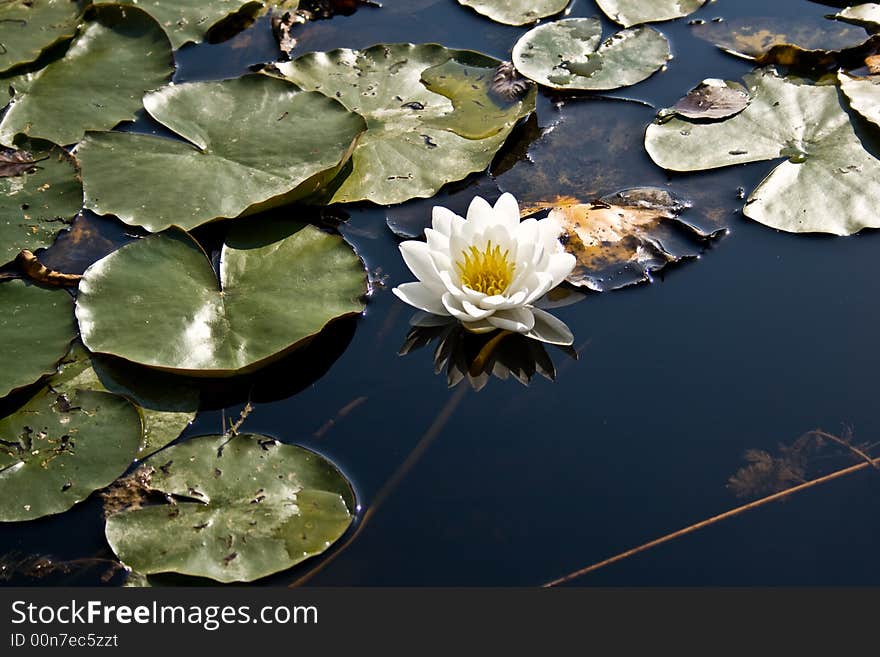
[516,12]
[189,21]
[38,202]
[158,302]
[635,12]
[59,448]
[245,508]
[36,329]
[866,15]
[32,26]
[829,182]
[431,114]
[863,95]
[97,84]
[254,142]
[570,54]
[167,404]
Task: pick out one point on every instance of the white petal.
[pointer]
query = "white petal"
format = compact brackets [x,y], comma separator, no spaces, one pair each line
[539,286]
[444,220]
[507,209]
[417,257]
[550,229]
[560,266]
[480,214]
[550,329]
[420,296]
[456,308]
[518,320]
[437,241]
[459,292]
[474,311]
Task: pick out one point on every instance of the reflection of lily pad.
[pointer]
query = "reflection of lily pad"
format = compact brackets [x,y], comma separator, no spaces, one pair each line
[59,448]
[255,142]
[158,302]
[423,130]
[516,12]
[570,54]
[829,184]
[625,237]
[30,27]
[188,21]
[167,404]
[863,95]
[37,203]
[635,12]
[36,329]
[245,508]
[98,83]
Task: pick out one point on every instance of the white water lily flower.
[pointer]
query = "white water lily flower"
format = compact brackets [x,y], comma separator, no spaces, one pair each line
[489,270]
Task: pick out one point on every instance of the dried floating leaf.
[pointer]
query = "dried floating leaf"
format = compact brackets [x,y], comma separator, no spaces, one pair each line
[282,24]
[622,238]
[16,163]
[37,271]
[713,99]
[873,64]
[804,43]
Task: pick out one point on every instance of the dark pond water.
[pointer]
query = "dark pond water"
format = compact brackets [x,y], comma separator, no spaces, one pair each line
[765,336]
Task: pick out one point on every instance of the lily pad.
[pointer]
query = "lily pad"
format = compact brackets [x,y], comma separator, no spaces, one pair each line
[32,26]
[36,329]
[189,21]
[167,404]
[97,84]
[570,54]
[244,508]
[624,238]
[59,448]
[253,142]
[863,95]
[829,182]
[636,12]
[866,15]
[516,12]
[38,200]
[431,114]
[158,302]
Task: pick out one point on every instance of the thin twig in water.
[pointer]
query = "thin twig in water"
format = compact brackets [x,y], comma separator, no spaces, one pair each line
[235,426]
[389,486]
[715,519]
[847,445]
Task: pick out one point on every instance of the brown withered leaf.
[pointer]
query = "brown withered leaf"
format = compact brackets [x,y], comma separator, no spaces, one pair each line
[623,238]
[805,43]
[15,163]
[873,64]
[713,100]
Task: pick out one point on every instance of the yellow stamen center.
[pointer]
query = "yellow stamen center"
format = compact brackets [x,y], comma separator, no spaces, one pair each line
[489,271]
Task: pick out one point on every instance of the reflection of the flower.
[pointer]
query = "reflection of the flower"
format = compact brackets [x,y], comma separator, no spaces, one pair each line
[478,357]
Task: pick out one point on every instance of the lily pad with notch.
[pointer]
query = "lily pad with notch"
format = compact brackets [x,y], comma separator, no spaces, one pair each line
[570,54]
[252,143]
[59,448]
[829,182]
[189,21]
[36,329]
[241,508]
[98,83]
[431,114]
[158,302]
[863,95]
